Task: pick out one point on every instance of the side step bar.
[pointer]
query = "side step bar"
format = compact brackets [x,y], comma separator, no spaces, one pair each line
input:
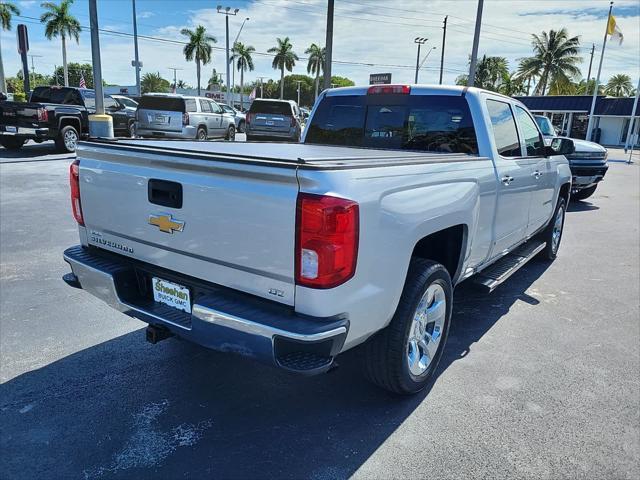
[497,273]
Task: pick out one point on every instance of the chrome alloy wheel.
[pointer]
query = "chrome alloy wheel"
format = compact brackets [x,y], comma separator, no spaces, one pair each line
[556,234]
[426,329]
[70,139]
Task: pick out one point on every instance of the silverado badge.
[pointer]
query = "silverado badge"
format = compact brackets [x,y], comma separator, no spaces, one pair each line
[165,223]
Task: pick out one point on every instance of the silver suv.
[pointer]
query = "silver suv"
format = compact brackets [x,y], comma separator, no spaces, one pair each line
[177,116]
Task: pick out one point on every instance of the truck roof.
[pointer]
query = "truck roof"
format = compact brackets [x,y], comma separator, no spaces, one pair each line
[416,89]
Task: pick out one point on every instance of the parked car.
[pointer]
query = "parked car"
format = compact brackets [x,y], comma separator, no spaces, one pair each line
[178,116]
[56,113]
[294,253]
[588,163]
[273,120]
[126,102]
[239,117]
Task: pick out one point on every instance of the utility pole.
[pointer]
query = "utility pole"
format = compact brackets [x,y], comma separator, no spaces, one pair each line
[135,49]
[261,85]
[175,78]
[328,45]
[227,12]
[595,87]
[476,40]
[233,62]
[444,38]
[100,125]
[33,67]
[420,41]
[593,47]
[298,82]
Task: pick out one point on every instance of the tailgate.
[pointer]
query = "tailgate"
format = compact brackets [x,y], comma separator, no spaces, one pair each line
[268,121]
[18,114]
[235,226]
[161,120]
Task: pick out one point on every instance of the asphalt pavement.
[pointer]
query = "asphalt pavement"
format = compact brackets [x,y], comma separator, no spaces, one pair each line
[540,379]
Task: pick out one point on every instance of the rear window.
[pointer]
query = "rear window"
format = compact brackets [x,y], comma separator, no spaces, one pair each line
[172,104]
[63,96]
[431,123]
[273,108]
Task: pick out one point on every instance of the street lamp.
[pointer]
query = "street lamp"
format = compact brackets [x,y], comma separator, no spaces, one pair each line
[426,56]
[420,41]
[227,12]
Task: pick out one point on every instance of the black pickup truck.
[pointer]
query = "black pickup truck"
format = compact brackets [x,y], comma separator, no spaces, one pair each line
[57,113]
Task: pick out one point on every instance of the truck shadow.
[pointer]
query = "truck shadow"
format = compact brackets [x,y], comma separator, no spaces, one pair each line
[35,151]
[126,409]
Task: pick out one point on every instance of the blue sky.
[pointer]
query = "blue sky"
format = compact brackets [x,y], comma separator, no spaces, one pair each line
[371,36]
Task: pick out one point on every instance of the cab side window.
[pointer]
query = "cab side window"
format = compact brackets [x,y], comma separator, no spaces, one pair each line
[205,106]
[504,129]
[531,135]
[215,108]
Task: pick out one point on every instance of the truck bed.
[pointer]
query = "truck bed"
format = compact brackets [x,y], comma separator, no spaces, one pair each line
[286,155]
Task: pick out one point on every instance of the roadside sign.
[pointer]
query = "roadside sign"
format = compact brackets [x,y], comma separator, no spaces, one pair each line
[23,39]
[379,79]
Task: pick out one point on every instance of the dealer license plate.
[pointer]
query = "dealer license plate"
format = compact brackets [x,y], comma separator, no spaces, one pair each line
[11,129]
[171,294]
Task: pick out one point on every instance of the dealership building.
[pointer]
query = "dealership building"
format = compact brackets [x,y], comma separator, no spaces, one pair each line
[570,114]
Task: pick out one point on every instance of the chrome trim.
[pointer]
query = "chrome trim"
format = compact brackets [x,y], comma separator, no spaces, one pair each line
[216,317]
[102,285]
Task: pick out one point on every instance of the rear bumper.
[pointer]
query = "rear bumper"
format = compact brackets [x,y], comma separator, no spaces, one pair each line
[291,134]
[27,132]
[188,132]
[221,319]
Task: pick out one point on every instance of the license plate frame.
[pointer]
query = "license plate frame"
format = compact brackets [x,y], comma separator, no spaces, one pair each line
[11,129]
[171,294]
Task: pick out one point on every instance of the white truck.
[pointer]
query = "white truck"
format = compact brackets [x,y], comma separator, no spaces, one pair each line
[294,253]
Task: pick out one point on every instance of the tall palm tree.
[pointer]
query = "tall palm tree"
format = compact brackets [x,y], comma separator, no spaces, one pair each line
[316,62]
[529,71]
[7,10]
[619,86]
[555,58]
[285,58]
[198,48]
[60,23]
[242,54]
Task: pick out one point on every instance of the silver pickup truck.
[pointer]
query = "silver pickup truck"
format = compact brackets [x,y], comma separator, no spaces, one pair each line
[294,253]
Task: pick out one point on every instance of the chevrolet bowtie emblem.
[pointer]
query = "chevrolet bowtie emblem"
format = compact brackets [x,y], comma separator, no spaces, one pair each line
[166,224]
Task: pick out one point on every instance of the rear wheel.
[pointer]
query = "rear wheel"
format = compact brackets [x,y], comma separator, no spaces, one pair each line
[132,129]
[11,143]
[201,135]
[552,234]
[231,133]
[403,357]
[67,140]
[241,126]
[584,193]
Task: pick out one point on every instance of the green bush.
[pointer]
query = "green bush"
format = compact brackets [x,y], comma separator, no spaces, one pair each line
[19,97]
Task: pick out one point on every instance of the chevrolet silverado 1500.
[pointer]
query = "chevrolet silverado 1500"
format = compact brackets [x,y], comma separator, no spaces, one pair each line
[294,253]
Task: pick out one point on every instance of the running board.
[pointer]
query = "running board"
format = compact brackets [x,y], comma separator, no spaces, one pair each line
[497,273]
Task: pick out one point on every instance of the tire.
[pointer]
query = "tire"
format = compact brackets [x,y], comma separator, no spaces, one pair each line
[584,193]
[67,139]
[393,359]
[12,143]
[201,134]
[552,234]
[231,133]
[241,126]
[132,130]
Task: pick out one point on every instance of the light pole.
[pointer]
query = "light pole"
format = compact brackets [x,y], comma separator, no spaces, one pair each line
[233,62]
[175,78]
[33,67]
[298,82]
[328,45]
[100,125]
[227,12]
[425,57]
[476,40]
[136,62]
[261,86]
[420,41]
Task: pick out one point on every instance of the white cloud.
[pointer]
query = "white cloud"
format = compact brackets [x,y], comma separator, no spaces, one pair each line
[364,32]
[145,15]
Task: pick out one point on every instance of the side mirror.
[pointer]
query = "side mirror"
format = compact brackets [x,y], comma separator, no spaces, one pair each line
[560,146]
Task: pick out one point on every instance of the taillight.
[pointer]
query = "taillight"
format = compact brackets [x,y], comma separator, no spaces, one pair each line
[249,118]
[74,182]
[185,118]
[43,115]
[387,89]
[326,240]
[293,121]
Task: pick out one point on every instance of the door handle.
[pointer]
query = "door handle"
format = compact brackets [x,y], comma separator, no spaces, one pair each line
[537,174]
[507,180]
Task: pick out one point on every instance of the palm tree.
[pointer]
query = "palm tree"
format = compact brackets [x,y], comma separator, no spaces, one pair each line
[199,47]
[316,63]
[242,54]
[528,70]
[182,84]
[285,58]
[512,85]
[555,58]
[60,22]
[153,82]
[7,10]
[619,86]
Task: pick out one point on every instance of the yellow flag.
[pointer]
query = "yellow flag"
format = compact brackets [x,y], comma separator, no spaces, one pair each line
[613,30]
